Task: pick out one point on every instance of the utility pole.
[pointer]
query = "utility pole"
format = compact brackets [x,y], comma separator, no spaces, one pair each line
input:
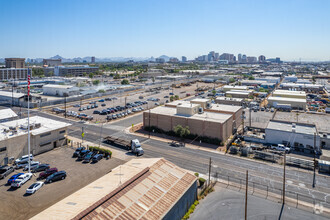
[149,122]
[65,106]
[283,197]
[250,119]
[82,134]
[314,160]
[210,171]
[246,192]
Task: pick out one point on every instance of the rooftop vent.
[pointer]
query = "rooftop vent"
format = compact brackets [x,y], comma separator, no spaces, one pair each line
[200,110]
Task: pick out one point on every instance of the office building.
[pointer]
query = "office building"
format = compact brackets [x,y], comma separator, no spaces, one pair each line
[244,59]
[227,56]
[251,59]
[299,136]
[15,62]
[160,60]
[46,134]
[51,62]
[216,56]
[71,70]
[174,60]
[13,74]
[239,57]
[92,59]
[151,188]
[261,59]
[184,59]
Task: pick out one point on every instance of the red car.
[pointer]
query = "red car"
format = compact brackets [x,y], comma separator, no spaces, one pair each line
[47,173]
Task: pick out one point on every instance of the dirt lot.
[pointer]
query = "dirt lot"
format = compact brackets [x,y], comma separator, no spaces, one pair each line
[14,204]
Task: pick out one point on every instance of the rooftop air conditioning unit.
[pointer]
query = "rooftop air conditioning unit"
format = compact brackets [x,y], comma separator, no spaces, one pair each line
[37,125]
[200,110]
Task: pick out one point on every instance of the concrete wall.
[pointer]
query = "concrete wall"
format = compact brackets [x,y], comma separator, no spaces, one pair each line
[183,205]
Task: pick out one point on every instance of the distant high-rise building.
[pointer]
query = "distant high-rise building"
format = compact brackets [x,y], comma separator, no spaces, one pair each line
[278,60]
[15,62]
[261,58]
[160,60]
[251,59]
[239,57]
[174,60]
[244,60]
[51,62]
[216,56]
[93,59]
[184,59]
[227,56]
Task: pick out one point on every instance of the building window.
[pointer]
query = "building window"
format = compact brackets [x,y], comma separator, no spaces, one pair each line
[61,139]
[45,144]
[45,134]
[61,132]
[2,149]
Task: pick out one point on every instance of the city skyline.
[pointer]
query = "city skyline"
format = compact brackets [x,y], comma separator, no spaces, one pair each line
[108,29]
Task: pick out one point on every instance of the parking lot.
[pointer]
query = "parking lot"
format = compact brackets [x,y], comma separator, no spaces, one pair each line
[15,204]
[148,99]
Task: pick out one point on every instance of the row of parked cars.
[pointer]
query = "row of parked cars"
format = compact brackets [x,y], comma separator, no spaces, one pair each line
[87,156]
[45,173]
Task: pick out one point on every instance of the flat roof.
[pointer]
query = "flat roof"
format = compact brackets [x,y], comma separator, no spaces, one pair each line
[287,126]
[274,98]
[235,87]
[175,103]
[200,100]
[10,94]
[7,113]
[138,189]
[206,116]
[187,105]
[58,86]
[243,92]
[46,125]
[229,99]
[284,91]
[222,107]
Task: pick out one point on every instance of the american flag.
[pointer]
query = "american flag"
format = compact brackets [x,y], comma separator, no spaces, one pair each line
[29,77]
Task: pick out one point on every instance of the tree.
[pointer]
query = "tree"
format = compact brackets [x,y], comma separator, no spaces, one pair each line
[214,92]
[172,98]
[181,131]
[91,75]
[96,82]
[251,78]
[231,80]
[176,97]
[153,79]
[101,91]
[124,82]
[116,76]
[39,72]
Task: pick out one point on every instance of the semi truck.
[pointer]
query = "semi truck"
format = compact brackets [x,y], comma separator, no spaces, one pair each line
[133,145]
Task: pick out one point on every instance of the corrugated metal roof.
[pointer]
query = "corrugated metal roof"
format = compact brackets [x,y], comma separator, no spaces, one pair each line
[151,196]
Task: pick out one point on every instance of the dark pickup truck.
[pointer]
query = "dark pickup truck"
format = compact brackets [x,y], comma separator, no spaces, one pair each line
[5,171]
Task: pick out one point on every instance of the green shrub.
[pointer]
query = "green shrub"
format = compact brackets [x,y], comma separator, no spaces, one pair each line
[100,150]
[201,181]
[197,174]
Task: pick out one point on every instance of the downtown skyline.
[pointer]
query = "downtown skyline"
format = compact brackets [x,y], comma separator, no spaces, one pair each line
[293,30]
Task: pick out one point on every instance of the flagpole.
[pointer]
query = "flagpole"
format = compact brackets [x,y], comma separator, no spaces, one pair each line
[29,116]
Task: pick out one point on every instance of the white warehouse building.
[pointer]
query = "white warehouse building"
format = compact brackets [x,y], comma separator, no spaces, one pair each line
[294,103]
[60,90]
[300,136]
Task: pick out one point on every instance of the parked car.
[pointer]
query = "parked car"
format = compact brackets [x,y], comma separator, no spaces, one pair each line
[101,100]
[34,187]
[47,173]
[40,167]
[97,158]
[82,154]
[89,157]
[96,112]
[21,180]
[103,104]
[114,116]
[76,105]
[5,171]
[78,150]
[61,175]
[23,159]
[156,103]
[280,147]
[13,178]
[109,117]
[140,97]
[33,164]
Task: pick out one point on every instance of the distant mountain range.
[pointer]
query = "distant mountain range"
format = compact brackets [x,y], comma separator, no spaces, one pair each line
[88,59]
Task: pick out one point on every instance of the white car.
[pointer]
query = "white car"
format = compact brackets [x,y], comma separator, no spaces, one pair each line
[23,159]
[21,180]
[281,147]
[34,187]
[33,164]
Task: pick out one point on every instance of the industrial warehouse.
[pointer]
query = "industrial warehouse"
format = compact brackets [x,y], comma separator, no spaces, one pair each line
[46,134]
[139,189]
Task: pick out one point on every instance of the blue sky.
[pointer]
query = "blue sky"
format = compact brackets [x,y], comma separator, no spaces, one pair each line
[290,29]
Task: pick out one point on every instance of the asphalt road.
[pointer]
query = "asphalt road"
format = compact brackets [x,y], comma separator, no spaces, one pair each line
[261,173]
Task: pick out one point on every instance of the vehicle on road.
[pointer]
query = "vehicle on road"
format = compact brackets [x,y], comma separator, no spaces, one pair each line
[60,175]
[97,158]
[76,105]
[47,173]
[40,167]
[96,112]
[177,144]
[21,180]
[13,178]
[156,103]
[23,159]
[5,171]
[133,145]
[34,187]
[33,164]
[77,152]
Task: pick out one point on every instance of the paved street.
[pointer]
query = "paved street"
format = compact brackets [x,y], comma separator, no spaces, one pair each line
[263,174]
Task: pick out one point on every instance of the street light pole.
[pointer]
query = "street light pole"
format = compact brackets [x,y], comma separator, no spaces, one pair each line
[246,192]
[149,123]
[283,196]
[314,161]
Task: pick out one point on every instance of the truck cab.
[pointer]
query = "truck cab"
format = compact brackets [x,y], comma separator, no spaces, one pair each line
[136,147]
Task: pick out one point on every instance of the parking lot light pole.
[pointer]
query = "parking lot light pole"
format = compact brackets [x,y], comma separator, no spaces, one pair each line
[283,197]
[246,192]
[314,160]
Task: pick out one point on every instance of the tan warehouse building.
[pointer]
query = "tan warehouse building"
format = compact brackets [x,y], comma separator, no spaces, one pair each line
[15,62]
[46,134]
[209,124]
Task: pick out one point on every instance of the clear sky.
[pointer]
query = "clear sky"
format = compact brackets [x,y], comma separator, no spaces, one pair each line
[290,29]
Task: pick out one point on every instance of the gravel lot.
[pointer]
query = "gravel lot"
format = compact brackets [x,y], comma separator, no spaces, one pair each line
[14,204]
